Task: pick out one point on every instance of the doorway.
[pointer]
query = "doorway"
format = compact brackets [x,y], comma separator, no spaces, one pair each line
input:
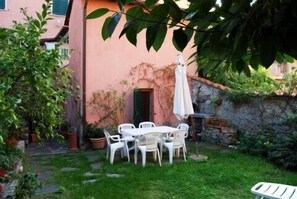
[143,105]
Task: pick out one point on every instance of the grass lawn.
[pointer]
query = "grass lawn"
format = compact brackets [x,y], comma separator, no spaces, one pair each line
[227,174]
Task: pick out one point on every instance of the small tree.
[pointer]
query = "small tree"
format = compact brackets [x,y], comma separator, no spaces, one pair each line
[33,86]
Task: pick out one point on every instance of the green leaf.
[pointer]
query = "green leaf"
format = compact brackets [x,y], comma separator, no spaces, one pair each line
[159,13]
[160,37]
[189,33]
[246,70]
[105,34]
[151,34]
[180,39]
[254,61]
[97,13]
[131,35]
[150,3]
[143,23]
[174,11]
[39,16]
[267,52]
[241,66]
[226,4]
[37,24]
[191,15]
[155,36]
[134,13]
[3,33]
[121,4]
[113,23]
[44,10]
[289,58]
[126,27]
[279,58]
[172,24]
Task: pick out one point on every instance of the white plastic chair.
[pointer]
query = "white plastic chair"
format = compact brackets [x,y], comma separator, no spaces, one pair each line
[148,144]
[274,191]
[114,142]
[127,138]
[146,124]
[176,143]
[184,126]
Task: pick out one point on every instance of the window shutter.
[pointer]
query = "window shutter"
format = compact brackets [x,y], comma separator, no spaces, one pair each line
[60,7]
[2,4]
[137,107]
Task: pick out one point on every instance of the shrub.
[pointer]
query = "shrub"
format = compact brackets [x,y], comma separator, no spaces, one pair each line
[238,97]
[8,156]
[284,151]
[259,143]
[11,173]
[280,149]
[290,82]
[33,86]
[291,120]
[28,183]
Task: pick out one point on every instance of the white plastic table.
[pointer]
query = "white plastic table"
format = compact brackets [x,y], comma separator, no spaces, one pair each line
[142,131]
[158,129]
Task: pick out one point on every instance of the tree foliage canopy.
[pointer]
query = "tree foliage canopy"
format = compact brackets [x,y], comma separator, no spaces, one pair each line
[233,35]
[33,86]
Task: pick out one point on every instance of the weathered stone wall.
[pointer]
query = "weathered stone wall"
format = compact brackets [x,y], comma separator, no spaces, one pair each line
[258,112]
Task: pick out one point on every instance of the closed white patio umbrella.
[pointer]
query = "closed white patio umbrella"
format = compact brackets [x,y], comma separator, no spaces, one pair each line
[182,103]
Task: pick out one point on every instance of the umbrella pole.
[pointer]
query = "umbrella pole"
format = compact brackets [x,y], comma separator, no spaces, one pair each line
[197,148]
[197,143]
[196,132]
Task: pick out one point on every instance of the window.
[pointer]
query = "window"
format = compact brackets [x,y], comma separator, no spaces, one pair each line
[59,7]
[64,53]
[50,46]
[2,4]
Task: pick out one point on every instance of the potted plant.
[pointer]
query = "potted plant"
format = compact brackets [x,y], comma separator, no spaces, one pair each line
[13,136]
[72,137]
[34,137]
[27,184]
[96,136]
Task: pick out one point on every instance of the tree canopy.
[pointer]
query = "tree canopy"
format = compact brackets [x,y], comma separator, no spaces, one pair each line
[233,34]
[33,85]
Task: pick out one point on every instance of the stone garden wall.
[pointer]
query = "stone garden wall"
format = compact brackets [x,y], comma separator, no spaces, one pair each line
[250,115]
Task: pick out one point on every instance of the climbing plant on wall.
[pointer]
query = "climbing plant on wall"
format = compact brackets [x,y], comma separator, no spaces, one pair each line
[108,105]
[161,79]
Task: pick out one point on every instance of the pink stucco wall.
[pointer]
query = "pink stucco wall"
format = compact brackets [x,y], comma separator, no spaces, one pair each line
[108,62]
[12,13]
[74,105]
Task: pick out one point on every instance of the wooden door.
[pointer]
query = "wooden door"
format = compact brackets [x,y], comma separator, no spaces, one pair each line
[143,105]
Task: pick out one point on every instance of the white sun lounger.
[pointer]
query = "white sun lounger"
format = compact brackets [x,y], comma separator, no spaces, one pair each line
[274,191]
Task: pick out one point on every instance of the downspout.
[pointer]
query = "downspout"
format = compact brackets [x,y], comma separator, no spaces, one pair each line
[84,86]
